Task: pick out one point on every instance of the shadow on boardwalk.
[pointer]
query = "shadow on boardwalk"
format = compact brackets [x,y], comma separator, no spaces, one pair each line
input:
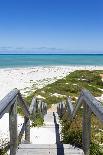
[60,148]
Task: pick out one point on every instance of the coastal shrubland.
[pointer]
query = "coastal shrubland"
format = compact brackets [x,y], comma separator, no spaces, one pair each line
[72,133]
[36,119]
[71,86]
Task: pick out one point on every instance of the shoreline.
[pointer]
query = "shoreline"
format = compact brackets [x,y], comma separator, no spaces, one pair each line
[48,66]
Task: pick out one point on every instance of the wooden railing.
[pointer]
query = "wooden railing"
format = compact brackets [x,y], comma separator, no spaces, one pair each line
[9,105]
[90,104]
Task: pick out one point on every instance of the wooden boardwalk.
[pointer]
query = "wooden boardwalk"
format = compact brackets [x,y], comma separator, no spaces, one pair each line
[9,105]
[44,149]
[51,134]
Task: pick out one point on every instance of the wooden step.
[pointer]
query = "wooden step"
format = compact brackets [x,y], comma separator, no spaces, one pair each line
[45,149]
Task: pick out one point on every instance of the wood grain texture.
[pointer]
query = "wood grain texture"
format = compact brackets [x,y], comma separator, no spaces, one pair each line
[24,106]
[45,149]
[13,129]
[7,102]
[33,106]
[86,125]
[85,96]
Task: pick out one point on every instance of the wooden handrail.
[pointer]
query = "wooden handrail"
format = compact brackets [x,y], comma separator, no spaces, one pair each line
[90,104]
[95,106]
[24,106]
[9,104]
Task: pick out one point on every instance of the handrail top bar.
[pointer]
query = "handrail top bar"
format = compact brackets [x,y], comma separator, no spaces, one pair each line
[95,105]
[7,101]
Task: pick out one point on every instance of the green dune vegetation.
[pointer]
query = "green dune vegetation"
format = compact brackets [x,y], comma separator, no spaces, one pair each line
[71,85]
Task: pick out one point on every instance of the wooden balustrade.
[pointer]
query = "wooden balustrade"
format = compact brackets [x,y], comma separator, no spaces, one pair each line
[90,105]
[10,101]
[9,105]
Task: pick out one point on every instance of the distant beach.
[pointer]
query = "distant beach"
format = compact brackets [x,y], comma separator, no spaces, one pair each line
[31,78]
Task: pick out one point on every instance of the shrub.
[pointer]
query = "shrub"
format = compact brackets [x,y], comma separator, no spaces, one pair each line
[37,120]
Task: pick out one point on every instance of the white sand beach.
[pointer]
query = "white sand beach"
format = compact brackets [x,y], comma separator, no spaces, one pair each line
[30,79]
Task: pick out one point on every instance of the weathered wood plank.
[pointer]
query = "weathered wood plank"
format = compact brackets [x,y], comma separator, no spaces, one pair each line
[91,101]
[26,124]
[27,129]
[94,104]
[45,149]
[21,133]
[79,103]
[22,103]
[13,129]
[70,107]
[44,146]
[86,133]
[62,108]
[45,109]
[59,108]
[39,106]
[7,101]
[33,106]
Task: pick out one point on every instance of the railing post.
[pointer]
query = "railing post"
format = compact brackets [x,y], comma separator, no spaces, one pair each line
[45,108]
[27,129]
[86,134]
[13,129]
[59,109]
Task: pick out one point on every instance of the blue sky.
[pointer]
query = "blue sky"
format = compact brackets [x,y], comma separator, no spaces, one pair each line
[51,26]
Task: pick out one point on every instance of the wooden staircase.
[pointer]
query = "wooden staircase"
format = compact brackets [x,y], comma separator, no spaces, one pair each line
[52,125]
[9,105]
[45,149]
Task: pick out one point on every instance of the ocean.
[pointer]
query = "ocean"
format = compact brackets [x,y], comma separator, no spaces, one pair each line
[30,60]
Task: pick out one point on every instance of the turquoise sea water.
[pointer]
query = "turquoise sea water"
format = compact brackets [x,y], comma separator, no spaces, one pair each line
[26,60]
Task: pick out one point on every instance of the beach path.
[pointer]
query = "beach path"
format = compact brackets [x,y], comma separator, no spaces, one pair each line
[47,139]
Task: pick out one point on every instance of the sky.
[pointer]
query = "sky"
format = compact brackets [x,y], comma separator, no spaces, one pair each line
[51,26]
